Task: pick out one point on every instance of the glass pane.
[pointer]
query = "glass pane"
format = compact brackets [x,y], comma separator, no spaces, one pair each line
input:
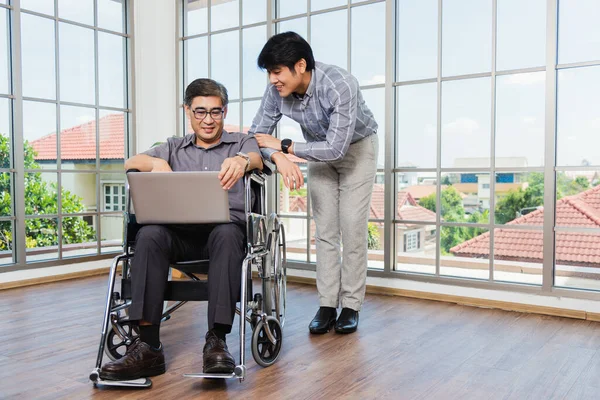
[298,25]
[76,50]
[368,44]
[458,263]
[375,240]
[111,70]
[41,239]
[4,55]
[416,248]
[520,198]
[78,193]
[520,116]
[79,236]
[417,39]
[113,128]
[326,29]
[293,202]
[578,121]
[578,34]
[466,119]
[285,8]
[41,6]
[112,233]
[39,134]
[578,198]
[232,120]
[465,197]
[254,79]
[6,242]
[196,62]
[77,10]
[290,129]
[466,37]
[6,203]
[407,207]
[250,109]
[37,50]
[197,17]
[323,4]
[421,187]
[224,14]
[521,34]
[5,134]
[375,100]
[226,70]
[41,194]
[416,131]
[254,11]
[77,138]
[295,238]
[577,260]
[518,254]
[111,14]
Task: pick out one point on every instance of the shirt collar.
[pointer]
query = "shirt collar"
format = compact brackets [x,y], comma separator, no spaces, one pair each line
[309,90]
[226,137]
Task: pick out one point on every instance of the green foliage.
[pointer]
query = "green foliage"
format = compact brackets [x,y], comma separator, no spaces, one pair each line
[40,198]
[452,206]
[373,238]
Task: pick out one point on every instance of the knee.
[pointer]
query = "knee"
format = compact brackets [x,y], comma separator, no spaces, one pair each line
[231,235]
[152,236]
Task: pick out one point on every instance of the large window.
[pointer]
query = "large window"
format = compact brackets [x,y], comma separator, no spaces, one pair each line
[64,127]
[488,163]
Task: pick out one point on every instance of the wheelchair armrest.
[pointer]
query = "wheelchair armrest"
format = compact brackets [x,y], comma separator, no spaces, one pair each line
[132,170]
[269,167]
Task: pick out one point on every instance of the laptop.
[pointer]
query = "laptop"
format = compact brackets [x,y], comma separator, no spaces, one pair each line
[178,197]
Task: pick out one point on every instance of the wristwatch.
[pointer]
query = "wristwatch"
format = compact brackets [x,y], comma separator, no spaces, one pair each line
[246,157]
[285,145]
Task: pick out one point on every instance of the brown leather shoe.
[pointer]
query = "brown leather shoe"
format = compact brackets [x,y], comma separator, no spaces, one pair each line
[140,361]
[216,356]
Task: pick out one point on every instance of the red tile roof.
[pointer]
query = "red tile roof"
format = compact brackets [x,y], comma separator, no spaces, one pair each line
[572,248]
[79,142]
[407,209]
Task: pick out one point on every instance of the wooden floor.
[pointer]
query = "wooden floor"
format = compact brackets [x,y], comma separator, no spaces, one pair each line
[404,349]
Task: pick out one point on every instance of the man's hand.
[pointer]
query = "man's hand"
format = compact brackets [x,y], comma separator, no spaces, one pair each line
[232,169]
[268,141]
[292,176]
[160,165]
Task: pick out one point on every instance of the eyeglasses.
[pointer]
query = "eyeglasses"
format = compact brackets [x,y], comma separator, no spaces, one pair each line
[215,113]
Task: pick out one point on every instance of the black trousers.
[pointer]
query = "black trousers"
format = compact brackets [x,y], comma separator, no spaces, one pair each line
[157,246]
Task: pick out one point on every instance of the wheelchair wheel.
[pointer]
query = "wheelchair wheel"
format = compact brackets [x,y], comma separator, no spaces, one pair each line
[116,346]
[280,274]
[265,353]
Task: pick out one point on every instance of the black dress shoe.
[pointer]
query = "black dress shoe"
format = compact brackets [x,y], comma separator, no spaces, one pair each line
[140,361]
[216,356]
[347,322]
[323,320]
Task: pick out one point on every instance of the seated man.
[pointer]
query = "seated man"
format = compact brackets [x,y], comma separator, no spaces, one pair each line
[209,148]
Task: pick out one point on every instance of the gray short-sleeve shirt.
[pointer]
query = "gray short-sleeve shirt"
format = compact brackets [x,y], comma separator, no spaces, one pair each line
[183,154]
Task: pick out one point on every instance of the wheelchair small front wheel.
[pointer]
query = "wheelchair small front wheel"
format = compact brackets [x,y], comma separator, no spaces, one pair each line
[115,345]
[265,353]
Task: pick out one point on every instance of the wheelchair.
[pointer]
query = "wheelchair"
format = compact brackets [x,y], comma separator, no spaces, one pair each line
[265,311]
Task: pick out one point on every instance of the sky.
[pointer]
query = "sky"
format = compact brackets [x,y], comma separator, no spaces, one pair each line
[466,105]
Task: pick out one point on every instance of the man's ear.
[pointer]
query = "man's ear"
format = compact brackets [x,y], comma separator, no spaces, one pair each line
[224,112]
[300,66]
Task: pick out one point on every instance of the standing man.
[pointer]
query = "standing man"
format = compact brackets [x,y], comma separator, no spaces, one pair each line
[341,148]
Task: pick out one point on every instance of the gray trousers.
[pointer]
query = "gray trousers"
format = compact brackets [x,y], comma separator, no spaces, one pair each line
[340,193]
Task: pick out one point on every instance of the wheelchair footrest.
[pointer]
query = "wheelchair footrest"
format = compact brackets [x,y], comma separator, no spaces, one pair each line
[213,376]
[136,383]
[186,291]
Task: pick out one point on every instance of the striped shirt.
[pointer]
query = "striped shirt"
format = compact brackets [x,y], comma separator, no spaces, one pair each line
[332,114]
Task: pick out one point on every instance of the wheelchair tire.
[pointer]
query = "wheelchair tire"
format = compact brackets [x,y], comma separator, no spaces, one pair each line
[274,289]
[264,352]
[115,346]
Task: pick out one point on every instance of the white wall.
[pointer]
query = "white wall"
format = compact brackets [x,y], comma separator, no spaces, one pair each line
[155,71]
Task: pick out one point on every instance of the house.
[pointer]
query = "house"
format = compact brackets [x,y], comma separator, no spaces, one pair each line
[580,249]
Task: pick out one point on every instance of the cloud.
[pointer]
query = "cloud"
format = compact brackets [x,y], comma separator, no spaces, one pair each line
[82,119]
[531,78]
[461,126]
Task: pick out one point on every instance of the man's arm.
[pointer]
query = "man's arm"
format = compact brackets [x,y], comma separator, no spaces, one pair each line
[266,119]
[145,163]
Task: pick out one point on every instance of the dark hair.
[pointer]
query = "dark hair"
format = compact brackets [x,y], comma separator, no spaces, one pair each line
[286,49]
[205,87]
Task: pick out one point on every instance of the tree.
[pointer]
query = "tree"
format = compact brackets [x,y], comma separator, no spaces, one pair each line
[452,205]
[373,238]
[40,198]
